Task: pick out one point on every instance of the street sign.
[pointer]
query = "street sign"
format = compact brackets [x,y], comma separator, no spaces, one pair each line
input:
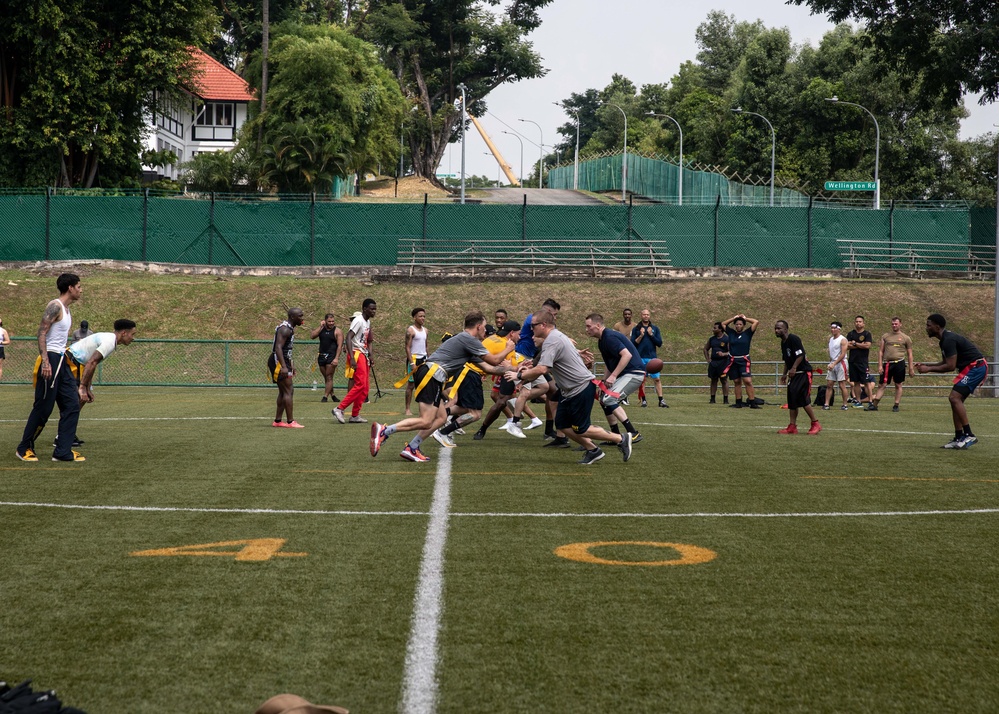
[851,186]
[447,175]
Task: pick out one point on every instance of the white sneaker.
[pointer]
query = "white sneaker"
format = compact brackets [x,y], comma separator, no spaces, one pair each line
[459,431]
[535,423]
[338,415]
[444,439]
[357,420]
[515,430]
[967,442]
[954,444]
[506,425]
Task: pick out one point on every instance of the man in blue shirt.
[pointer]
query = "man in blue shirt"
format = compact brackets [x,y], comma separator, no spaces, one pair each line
[740,369]
[648,339]
[625,371]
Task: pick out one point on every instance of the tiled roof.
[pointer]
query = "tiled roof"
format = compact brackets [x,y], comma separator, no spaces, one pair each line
[218,82]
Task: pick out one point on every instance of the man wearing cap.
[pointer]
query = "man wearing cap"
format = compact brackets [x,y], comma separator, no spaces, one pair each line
[82,331]
[836,370]
[957,353]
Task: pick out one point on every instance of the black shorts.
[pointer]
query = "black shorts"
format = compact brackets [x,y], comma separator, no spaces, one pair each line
[432,391]
[799,390]
[718,369]
[325,358]
[860,373]
[574,412]
[274,367]
[893,372]
[740,367]
[3,352]
[470,392]
[506,387]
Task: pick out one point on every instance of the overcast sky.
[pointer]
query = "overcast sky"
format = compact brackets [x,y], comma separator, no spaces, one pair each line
[584,42]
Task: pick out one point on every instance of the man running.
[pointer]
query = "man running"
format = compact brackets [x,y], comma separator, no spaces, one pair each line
[330,347]
[895,347]
[741,369]
[282,370]
[416,350]
[624,372]
[54,382]
[359,362]
[958,353]
[717,356]
[446,363]
[798,378]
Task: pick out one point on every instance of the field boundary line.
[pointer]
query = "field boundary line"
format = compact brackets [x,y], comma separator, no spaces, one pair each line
[495,514]
[419,682]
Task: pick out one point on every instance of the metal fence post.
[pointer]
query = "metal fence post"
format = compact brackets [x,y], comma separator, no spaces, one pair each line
[312,230]
[425,199]
[810,199]
[211,230]
[717,209]
[891,234]
[226,364]
[145,222]
[48,219]
[523,223]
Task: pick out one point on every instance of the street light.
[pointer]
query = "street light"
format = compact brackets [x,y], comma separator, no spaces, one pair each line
[773,147]
[541,162]
[877,146]
[575,163]
[515,136]
[624,158]
[462,87]
[680,172]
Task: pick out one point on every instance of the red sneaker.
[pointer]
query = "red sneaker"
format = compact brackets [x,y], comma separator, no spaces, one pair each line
[279,424]
[377,438]
[295,425]
[411,455]
[789,429]
[816,428]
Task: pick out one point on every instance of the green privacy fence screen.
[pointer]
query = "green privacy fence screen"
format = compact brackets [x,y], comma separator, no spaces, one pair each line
[658,179]
[234,231]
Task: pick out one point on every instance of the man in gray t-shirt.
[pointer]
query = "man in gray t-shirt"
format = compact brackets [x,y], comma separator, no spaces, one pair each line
[561,358]
[447,361]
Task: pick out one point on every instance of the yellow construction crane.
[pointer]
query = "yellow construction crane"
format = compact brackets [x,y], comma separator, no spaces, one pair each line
[495,152]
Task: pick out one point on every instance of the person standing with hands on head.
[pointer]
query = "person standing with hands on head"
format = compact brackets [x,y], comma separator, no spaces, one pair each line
[839,346]
[741,369]
[798,378]
[958,353]
[282,370]
[54,381]
[416,350]
[717,356]
[860,342]
[4,341]
[895,347]
[330,346]
[648,339]
[358,360]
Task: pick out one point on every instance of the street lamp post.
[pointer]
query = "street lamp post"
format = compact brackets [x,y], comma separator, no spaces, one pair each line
[575,162]
[541,161]
[773,147]
[521,154]
[624,158]
[877,146]
[680,167]
[462,87]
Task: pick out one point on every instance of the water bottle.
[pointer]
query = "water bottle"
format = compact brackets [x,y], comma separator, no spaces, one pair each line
[315,384]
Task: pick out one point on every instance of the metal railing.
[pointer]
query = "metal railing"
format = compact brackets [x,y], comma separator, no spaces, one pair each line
[915,259]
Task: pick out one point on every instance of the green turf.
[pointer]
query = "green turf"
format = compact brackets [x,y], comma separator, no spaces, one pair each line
[886,613]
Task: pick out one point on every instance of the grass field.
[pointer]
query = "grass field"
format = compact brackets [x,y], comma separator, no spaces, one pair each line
[853,571]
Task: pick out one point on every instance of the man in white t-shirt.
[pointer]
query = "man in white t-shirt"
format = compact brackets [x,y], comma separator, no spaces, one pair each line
[358,363]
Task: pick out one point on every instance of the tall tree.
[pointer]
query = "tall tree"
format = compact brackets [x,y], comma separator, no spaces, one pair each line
[433,47]
[952,44]
[75,77]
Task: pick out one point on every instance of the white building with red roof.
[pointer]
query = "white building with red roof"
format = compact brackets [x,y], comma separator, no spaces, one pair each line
[206,118]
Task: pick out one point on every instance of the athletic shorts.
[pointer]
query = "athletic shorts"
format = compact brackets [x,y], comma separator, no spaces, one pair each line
[325,358]
[506,387]
[410,368]
[893,372]
[970,377]
[799,390]
[574,412]
[652,375]
[470,392]
[3,352]
[624,385]
[836,374]
[718,368]
[859,374]
[274,368]
[740,367]
[432,391]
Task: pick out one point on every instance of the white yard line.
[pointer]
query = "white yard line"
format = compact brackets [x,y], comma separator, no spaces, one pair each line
[419,683]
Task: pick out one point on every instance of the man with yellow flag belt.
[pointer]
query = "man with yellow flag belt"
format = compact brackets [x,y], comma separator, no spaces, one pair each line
[459,360]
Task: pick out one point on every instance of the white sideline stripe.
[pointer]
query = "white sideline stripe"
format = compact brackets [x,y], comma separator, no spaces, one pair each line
[774,427]
[212,418]
[419,681]
[433,513]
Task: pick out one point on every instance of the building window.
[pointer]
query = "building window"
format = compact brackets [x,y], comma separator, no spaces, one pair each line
[214,122]
[170,117]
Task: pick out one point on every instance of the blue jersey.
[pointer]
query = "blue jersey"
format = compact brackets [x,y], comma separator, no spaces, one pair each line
[611,343]
[525,345]
[739,342]
[647,347]
[717,347]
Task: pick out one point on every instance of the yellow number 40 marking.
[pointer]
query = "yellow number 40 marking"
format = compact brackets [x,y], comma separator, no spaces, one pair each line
[253,550]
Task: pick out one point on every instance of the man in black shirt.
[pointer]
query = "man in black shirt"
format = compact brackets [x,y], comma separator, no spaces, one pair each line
[860,341]
[798,378]
[958,352]
[330,346]
[718,357]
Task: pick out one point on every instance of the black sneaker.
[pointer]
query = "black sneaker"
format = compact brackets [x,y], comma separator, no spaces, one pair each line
[479,435]
[711,401]
[624,401]
[636,437]
[754,405]
[558,443]
[550,435]
[324,400]
[663,404]
[625,446]
[895,408]
[737,405]
[592,457]
[872,407]
[725,400]
[645,403]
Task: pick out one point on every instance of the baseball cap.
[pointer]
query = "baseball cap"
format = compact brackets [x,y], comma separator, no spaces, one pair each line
[490,330]
[508,327]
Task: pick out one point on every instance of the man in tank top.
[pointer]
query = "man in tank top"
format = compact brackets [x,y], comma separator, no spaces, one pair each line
[282,369]
[839,347]
[416,351]
[54,381]
[330,346]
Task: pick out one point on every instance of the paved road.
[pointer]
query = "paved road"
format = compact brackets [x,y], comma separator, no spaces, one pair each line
[536,197]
